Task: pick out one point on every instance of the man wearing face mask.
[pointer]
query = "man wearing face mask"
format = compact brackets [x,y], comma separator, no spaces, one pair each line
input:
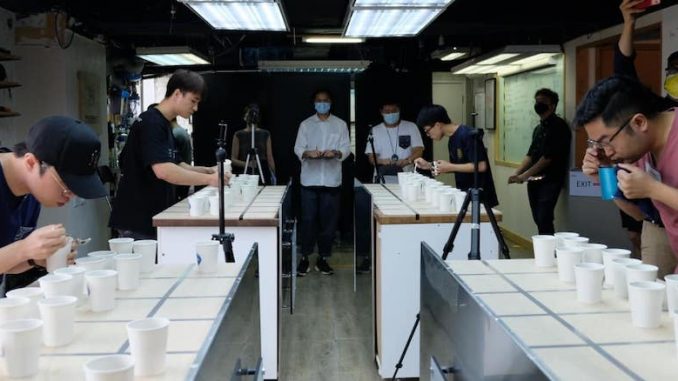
[397,142]
[545,165]
[322,144]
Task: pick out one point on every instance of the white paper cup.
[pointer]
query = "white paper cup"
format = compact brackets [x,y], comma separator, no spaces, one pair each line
[621,286]
[214,205]
[446,202]
[207,253]
[249,192]
[459,200]
[110,368]
[674,315]
[645,300]
[566,259]
[92,263]
[60,257]
[101,289]
[147,248]
[21,341]
[575,241]
[78,274]
[235,188]
[57,285]
[198,205]
[121,245]
[589,280]
[640,272]
[15,308]
[109,256]
[148,345]
[593,252]
[544,250]
[129,268]
[608,256]
[671,292]
[32,293]
[562,236]
[58,314]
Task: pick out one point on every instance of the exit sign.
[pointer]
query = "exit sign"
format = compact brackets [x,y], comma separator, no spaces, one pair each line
[582,185]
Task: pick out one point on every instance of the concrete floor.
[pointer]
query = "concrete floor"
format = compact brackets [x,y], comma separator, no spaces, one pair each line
[329,337]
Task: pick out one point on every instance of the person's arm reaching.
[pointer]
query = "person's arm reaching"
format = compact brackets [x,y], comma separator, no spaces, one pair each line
[235,153]
[177,175]
[269,154]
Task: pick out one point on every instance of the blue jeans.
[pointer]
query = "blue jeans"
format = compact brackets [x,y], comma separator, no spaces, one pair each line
[319,217]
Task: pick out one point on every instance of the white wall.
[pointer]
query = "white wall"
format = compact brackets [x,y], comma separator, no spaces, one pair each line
[50,87]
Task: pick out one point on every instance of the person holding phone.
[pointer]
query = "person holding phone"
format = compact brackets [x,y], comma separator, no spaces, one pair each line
[322,144]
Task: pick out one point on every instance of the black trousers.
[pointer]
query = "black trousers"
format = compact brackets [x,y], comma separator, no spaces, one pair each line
[319,216]
[543,196]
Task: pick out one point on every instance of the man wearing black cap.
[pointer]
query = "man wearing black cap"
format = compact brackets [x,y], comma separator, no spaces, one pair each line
[149,164]
[57,161]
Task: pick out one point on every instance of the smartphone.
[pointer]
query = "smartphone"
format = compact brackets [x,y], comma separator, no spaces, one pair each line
[648,3]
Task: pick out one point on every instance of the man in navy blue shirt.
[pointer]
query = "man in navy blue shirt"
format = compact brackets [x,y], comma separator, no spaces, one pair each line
[462,147]
[57,161]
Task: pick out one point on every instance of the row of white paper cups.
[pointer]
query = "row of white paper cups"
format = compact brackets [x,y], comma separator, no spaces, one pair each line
[415,187]
[243,187]
[21,343]
[590,266]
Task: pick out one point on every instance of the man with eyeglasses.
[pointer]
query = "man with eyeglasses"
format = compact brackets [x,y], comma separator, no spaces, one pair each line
[57,161]
[630,125]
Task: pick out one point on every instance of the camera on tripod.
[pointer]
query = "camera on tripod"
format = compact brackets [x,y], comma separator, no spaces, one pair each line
[252,114]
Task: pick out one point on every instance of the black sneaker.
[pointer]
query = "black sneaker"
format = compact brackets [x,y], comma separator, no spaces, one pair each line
[322,266]
[302,268]
[364,267]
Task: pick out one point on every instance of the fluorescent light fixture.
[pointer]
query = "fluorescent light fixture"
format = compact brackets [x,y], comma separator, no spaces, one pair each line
[510,60]
[392,18]
[240,14]
[332,40]
[453,56]
[314,66]
[402,3]
[171,56]
[498,58]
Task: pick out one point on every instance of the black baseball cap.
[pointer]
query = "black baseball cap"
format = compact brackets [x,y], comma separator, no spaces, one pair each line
[73,149]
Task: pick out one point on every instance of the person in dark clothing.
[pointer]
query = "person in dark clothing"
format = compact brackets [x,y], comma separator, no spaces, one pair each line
[242,142]
[546,162]
[149,164]
[461,145]
[57,161]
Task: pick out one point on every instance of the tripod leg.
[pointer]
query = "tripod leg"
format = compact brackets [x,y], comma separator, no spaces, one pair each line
[497,232]
[261,172]
[247,164]
[407,345]
[449,246]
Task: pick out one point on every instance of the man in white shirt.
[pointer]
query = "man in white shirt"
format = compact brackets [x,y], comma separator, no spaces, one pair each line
[397,142]
[322,144]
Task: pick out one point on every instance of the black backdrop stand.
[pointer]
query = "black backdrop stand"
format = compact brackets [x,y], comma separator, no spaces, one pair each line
[226,239]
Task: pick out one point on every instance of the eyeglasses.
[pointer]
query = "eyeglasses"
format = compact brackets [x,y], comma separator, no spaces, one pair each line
[603,144]
[64,191]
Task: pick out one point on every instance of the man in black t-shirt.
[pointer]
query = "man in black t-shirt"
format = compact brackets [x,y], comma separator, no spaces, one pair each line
[149,164]
[546,162]
[462,148]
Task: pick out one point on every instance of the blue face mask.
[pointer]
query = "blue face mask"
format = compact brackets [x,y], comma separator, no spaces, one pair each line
[391,118]
[322,107]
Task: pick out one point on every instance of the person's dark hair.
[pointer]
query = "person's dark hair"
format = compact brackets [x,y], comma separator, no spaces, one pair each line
[186,81]
[617,98]
[672,61]
[21,149]
[389,102]
[550,94]
[323,91]
[432,114]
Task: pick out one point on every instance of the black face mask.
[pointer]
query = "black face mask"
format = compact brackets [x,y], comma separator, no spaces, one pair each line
[541,108]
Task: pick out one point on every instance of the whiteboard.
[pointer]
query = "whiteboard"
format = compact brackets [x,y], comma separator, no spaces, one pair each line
[519,118]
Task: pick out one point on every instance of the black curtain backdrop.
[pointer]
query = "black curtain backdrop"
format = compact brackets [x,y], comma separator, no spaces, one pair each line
[412,90]
[285,100]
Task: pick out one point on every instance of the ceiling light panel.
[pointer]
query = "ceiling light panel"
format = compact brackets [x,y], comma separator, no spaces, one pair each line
[332,40]
[453,56]
[240,15]
[383,22]
[498,58]
[402,3]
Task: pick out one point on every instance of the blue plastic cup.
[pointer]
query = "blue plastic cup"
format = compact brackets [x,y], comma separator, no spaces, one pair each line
[608,182]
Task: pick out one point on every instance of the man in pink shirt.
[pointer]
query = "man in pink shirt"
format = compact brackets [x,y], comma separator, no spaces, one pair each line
[632,126]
